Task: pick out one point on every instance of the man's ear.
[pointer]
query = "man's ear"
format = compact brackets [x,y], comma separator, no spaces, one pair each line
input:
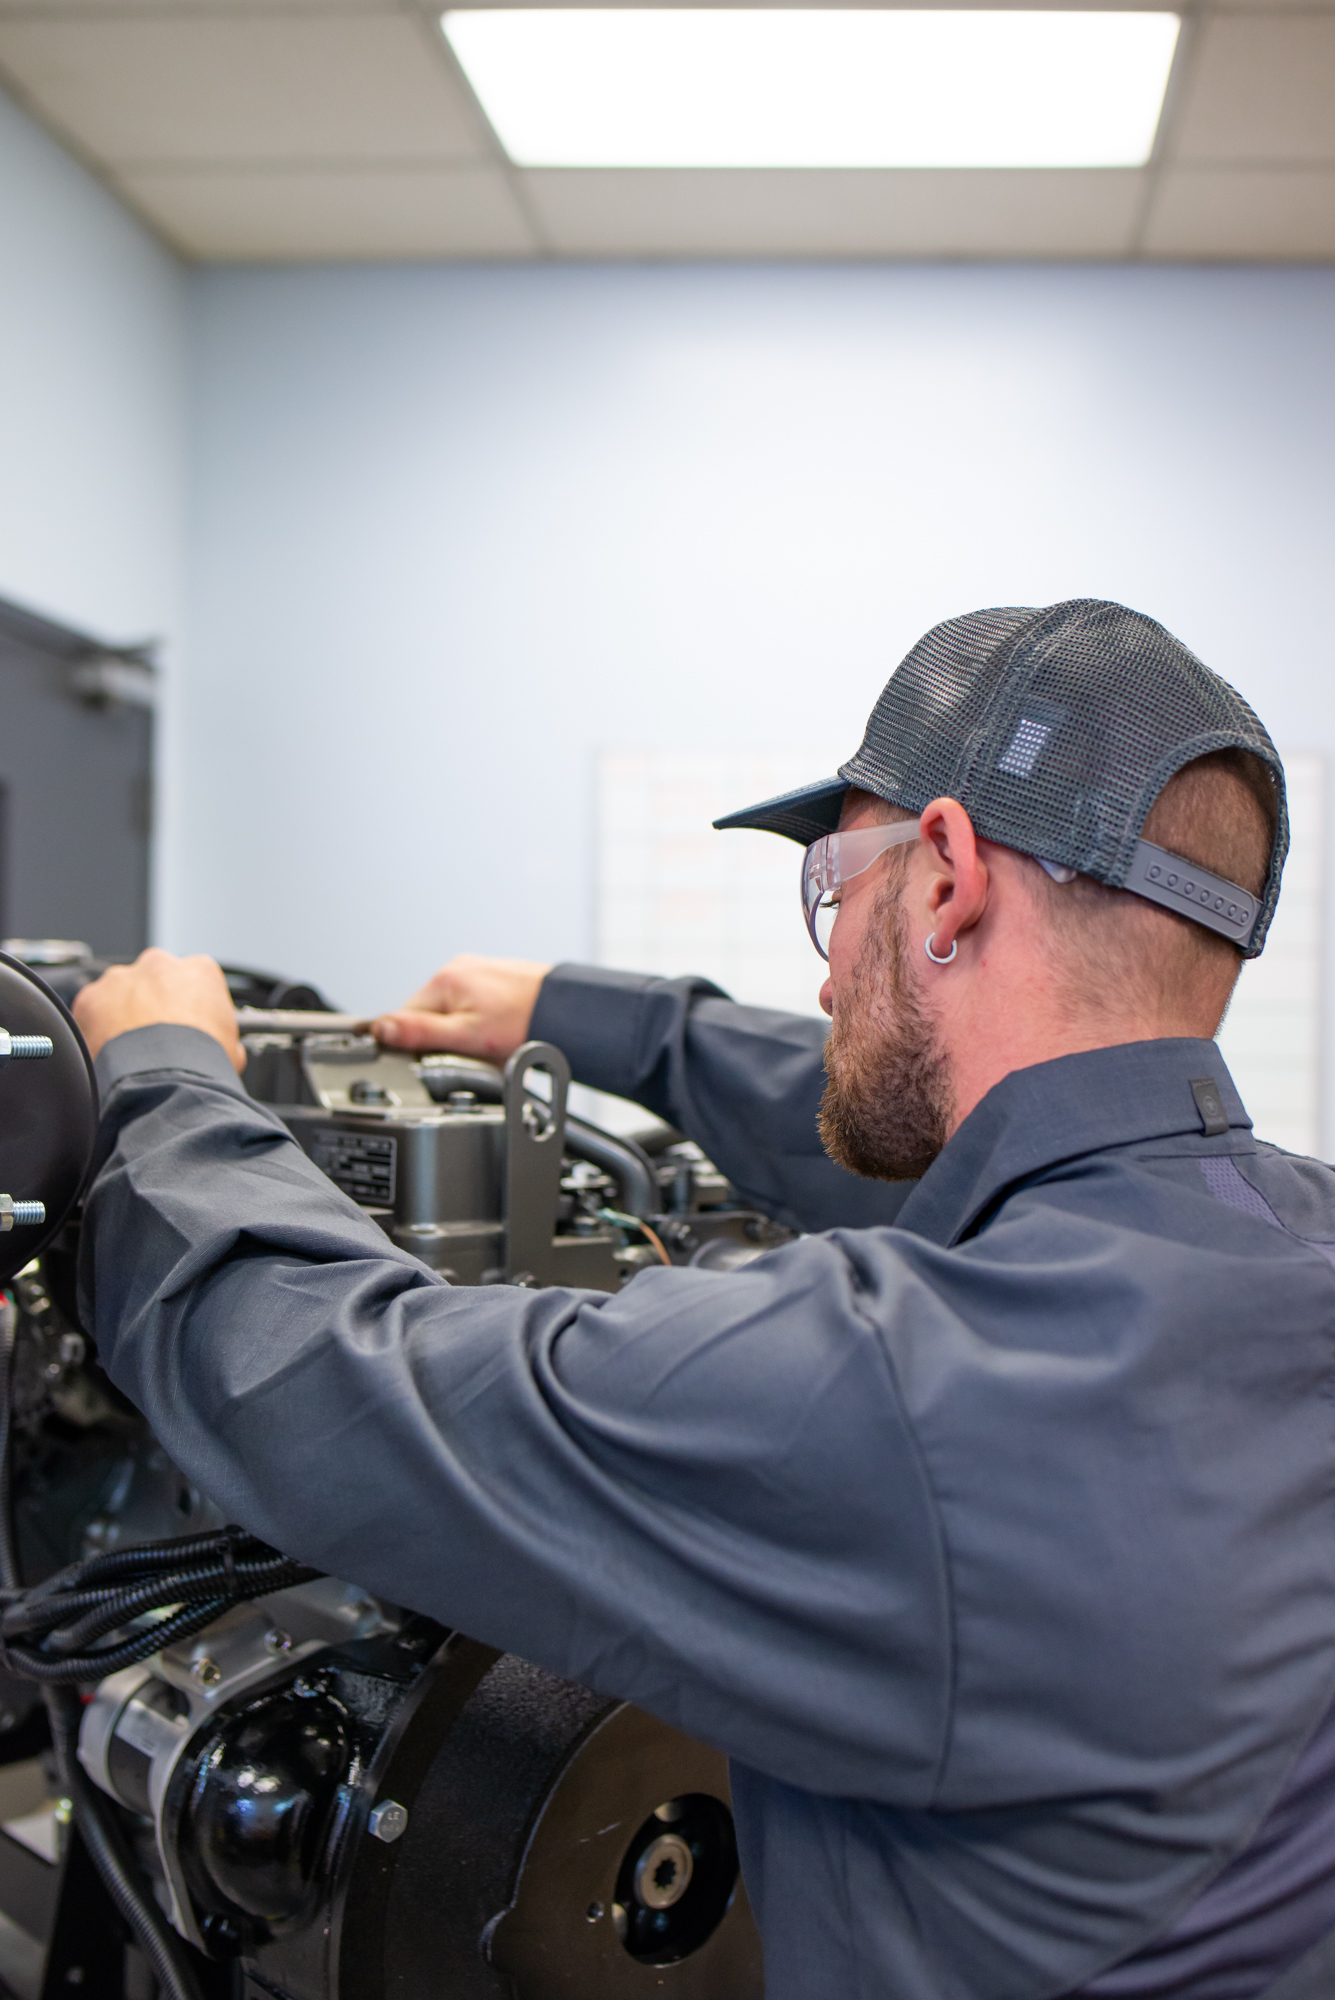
[957,875]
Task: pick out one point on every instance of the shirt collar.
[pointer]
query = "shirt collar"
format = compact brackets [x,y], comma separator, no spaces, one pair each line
[1055,1111]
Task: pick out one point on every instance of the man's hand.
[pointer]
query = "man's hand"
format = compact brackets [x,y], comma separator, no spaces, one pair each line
[158,990]
[471,1007]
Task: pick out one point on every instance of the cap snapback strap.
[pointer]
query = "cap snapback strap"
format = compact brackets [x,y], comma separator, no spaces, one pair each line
[1208,899]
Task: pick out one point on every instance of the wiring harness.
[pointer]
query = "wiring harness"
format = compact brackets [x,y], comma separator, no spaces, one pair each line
[102,1614]
[136,1601]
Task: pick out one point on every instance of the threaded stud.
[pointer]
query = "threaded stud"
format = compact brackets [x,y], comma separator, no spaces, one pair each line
[20,1214]
[24,1047]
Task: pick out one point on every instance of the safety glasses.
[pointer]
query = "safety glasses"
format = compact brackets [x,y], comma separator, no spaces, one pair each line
[834,860]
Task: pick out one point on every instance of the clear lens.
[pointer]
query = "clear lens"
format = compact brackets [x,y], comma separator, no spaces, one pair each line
[815,881]
[834,860]
[823,923]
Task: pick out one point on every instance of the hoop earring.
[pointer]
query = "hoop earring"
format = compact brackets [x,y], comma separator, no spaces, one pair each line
[927,947]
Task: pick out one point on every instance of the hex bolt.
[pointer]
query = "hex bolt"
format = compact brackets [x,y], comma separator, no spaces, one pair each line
[276,1641]
[388,1821]
[20,1214]
[22,1048]
[207,1672]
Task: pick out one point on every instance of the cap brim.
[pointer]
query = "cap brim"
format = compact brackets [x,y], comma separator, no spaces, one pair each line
[803,815]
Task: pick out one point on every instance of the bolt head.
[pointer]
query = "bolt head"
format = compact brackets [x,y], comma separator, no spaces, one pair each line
[388,1821]
[276,1641]
[206,1671]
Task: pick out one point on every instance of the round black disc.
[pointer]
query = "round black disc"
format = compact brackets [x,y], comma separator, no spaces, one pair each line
[48,1113]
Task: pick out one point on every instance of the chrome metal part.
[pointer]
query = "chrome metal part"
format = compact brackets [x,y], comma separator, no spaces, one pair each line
[48,951]
[20,1214]
[296,1021]
[388,1821]
[24,1048]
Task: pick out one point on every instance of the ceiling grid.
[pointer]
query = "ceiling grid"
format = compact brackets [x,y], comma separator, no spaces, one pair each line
[344,129]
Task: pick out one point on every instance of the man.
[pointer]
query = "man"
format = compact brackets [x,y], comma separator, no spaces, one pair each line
[996,1547]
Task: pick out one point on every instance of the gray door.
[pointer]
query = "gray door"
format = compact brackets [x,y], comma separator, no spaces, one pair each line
[75,788]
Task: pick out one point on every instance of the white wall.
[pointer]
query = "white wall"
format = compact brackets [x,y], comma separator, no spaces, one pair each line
[92,402]
[454,530]
[91,397]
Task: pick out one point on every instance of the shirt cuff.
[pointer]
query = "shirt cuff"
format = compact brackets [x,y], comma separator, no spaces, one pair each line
[167,1046]
[592,1015]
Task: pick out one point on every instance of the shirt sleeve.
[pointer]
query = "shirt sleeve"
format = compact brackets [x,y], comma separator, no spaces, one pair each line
[744,1082]
[702,1494]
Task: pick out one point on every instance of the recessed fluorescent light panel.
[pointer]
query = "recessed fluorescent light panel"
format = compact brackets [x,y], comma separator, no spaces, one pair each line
[838,87]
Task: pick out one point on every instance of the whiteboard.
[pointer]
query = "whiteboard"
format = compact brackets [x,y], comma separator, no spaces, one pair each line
[675,897]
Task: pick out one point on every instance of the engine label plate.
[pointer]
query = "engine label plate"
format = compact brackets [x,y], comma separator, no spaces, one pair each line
[362,1164]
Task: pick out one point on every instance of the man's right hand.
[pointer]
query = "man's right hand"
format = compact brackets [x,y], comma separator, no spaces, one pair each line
[471,1007]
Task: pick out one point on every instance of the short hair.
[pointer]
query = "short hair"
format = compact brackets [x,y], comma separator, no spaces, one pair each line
[1219,812]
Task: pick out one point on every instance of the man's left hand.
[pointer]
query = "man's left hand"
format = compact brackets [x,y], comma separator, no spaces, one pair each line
[159,990]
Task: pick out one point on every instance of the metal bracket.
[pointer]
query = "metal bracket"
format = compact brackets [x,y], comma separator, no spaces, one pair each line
[535,1130]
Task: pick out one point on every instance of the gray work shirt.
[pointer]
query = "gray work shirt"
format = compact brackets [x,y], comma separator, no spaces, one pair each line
[995,1545]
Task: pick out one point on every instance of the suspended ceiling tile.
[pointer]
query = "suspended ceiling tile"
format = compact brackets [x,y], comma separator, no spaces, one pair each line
[360,214]
[1258,88]
[1258,213]
[244,87]
[834,213]
[1266,7]
[95,10]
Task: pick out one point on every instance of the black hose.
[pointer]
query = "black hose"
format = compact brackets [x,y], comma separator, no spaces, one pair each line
[62,1652]
[52,1670]
[442,1076]
[145,1557]
[626,1161]
[148,1577]
[628,1164]
[102,1836]
[174,1587]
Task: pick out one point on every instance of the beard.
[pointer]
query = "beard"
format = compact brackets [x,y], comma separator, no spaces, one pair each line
[888,1098]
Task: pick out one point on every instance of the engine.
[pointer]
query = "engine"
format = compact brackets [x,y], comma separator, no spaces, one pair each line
[321,1795]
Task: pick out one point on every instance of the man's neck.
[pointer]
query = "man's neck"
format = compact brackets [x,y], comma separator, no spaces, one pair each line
[983,1043]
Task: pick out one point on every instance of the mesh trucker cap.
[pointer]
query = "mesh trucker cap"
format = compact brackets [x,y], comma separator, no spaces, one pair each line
[1056,729]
